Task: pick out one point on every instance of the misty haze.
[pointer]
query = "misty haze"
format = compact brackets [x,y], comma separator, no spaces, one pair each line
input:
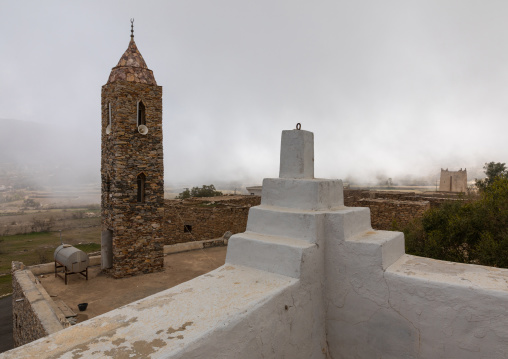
[392,90]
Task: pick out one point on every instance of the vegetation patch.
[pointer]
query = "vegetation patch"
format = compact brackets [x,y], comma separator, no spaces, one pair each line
[5,284]
[471,231]
[88,247]
[38,247]
[31,248]
[205,191]
[208,204]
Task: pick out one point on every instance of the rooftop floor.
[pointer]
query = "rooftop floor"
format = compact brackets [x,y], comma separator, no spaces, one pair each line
[104,293]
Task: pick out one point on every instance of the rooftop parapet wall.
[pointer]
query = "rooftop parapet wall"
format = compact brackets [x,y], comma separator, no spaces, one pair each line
[214,315]
[415,308]
[35,315]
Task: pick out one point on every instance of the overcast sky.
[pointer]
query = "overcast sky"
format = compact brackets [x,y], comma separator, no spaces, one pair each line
[389,88]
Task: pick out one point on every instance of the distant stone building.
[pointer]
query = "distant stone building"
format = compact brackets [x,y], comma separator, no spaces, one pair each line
[254,190]
[132,169]
[453,181]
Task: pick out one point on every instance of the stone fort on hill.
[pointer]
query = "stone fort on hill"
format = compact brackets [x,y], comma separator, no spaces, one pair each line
[453,181]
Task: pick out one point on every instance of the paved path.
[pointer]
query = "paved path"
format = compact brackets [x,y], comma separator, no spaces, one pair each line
[6,342]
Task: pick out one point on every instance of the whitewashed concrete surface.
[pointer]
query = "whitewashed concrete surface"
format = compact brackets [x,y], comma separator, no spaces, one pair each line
[303,194]
[309,278]
[227,303]
[381,304]
[297,154]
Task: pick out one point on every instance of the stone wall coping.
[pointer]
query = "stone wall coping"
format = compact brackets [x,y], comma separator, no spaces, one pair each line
[190,246]
[393,201]
[227,200]
[46,268]
[50,316]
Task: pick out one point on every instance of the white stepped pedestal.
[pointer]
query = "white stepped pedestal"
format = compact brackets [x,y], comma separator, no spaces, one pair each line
[273,254]
[386,247]
[308,225]
[304,194]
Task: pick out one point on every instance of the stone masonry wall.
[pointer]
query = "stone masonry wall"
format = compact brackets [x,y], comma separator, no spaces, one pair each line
[206,218]
[136,227]
[392,215]
[211,217]
[352,197]
[34,313]
[389,208]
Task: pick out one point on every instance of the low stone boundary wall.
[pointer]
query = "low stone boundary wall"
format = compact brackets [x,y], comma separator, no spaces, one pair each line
[50,267]
[391,207]
[190,246]
[196,219]
[199,219]
[34,313]
[389,214]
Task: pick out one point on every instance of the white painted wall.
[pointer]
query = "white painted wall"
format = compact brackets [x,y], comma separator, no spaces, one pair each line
[309,278]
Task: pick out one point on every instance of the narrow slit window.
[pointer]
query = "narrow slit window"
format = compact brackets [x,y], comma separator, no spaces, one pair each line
[109,113]
[187,228]
[141,187]
[141,114]
[108,185]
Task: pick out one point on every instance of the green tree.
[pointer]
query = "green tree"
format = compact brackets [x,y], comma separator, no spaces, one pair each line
[492,171]
[184,194]
[204,191]
[467,231]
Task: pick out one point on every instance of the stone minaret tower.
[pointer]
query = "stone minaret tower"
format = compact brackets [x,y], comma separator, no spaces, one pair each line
[132,171]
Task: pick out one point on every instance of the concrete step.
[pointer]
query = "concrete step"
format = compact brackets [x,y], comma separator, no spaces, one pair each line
[277,221]
[308,225]
[386,247]
[307,194]
[273,254]
[346,222]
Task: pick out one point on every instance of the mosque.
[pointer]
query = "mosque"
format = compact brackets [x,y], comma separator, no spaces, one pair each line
[309,278]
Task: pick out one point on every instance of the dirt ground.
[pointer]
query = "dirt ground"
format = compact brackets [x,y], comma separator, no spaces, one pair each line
[104,293]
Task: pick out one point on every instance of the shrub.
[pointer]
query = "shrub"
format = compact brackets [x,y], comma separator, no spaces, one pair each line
[474,231]
[42,225]
[30,203]
[205,191]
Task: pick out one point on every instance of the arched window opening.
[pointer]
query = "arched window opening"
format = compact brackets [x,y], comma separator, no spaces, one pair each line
[141,187]
[141,114]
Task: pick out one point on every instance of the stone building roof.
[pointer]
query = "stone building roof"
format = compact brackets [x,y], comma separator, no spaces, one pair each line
[132,67]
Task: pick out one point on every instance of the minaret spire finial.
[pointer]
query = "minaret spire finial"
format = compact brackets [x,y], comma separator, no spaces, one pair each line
[132,28]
